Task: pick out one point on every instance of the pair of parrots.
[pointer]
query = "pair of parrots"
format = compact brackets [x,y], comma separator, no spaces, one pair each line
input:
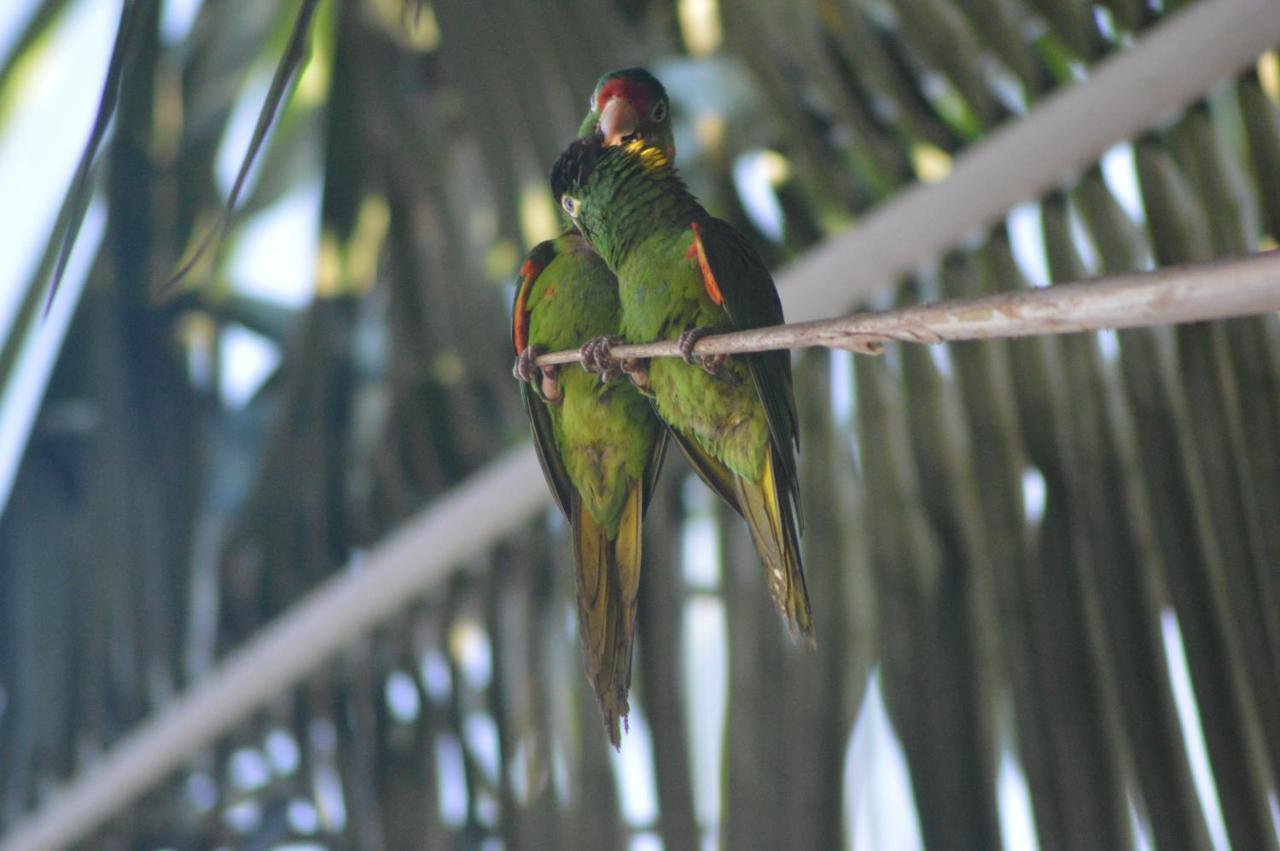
[643,262]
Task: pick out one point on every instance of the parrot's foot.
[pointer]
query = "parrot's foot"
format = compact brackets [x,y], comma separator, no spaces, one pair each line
[596,358]
[689,339]
[543,378]
[526,365]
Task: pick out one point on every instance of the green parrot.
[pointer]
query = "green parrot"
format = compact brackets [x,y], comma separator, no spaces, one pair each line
[681,274]
[600,445]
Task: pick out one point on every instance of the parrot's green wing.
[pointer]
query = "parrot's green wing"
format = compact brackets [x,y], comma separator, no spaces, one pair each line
[717,476]
[746,291]
[539,418]
[736,278]
[543,442]
[653,468]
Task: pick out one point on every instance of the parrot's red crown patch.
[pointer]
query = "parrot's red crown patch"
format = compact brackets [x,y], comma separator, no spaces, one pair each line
[634,85]
[632,92]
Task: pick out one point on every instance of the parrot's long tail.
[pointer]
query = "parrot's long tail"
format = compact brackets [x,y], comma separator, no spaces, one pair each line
[771,518]
[608,581]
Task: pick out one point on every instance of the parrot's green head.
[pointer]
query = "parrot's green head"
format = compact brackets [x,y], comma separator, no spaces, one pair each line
[630,104]
[608,190]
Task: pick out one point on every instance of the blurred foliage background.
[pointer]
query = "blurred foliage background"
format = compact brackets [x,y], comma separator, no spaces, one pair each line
[1044,572]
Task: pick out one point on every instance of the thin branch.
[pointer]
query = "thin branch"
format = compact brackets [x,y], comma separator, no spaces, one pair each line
[1241,286]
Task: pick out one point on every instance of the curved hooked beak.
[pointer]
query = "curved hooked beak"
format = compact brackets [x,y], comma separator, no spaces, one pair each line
[618,120]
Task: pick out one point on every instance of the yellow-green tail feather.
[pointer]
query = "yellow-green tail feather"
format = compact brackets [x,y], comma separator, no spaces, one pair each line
[771,518]
[608,583]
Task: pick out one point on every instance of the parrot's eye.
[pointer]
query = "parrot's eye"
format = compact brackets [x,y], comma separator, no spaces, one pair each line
[659,111]
[570,205]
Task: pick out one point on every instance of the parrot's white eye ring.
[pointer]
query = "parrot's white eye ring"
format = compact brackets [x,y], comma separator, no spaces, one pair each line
[659,111]
[571,205]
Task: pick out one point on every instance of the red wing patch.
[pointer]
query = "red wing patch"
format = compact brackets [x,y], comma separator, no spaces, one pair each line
[520,314]
[708,279]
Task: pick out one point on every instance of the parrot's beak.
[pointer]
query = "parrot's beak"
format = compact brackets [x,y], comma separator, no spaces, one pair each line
[618,120]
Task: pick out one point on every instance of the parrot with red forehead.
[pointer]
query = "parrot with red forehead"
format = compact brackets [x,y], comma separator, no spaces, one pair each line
[599,442]
[681,274]
[630,103]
